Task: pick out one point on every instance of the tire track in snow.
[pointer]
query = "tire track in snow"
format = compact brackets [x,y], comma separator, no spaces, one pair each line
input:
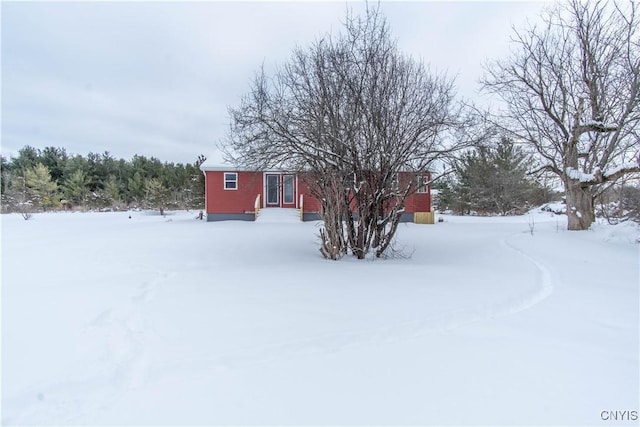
[544,291]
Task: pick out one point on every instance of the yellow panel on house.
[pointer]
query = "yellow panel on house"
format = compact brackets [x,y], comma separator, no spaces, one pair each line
[424,217]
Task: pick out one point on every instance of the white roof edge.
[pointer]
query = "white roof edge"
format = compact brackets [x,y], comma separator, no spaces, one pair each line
[204,167]
[228,168]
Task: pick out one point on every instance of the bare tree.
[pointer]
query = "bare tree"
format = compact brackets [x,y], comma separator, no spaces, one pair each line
[572,92]
[352,112]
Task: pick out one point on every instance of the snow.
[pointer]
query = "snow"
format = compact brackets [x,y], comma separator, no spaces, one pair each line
[555,207]
[580,176]
[623,166]
[150,320]
[599,124]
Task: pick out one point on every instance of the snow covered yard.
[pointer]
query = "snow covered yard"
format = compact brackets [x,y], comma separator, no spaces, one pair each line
[108,320]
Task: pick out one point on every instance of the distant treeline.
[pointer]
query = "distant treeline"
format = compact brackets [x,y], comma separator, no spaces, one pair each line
[52,179]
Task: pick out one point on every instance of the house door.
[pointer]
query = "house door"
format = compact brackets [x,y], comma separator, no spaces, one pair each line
[280,190]
[288,191]
[272,196]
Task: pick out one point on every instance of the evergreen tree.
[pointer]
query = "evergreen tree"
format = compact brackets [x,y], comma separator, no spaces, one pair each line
[474,172]
[444,196]
[157,194]
[43,189]
[76,188]
[136,188]
[96,171]
[55,160]
[27,158]
[511,187]
[493,179]
[196,185]
[112,192]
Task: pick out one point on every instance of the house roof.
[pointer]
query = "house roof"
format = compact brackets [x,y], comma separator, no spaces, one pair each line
[222,167]
[217,167]
[216,164]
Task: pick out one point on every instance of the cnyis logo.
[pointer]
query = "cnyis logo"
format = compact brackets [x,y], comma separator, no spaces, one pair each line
[619,415]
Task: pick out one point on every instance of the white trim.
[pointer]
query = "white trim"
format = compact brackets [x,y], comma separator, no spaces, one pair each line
[231,168]
[266,190]
[297,193]
[224,181]
[206,194]
[423,182]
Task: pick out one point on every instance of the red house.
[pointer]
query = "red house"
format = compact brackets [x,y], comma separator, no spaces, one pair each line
[237,194]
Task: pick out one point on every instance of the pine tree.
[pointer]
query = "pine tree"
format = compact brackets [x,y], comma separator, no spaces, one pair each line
[493,179]
[157,195]
[55,160]
[512,189]
[136,188]
[27,158]
[42,187]
[112,192]
[196,188]
[473,189]
[76,188]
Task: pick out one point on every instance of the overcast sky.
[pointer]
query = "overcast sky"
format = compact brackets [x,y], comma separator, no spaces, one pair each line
[156,78]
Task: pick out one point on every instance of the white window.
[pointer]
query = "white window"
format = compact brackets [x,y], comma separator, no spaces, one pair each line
[230,181]
[422,184]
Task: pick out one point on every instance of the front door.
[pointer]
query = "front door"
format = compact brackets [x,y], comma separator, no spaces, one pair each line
[288,191]
[280,190]
[272,197]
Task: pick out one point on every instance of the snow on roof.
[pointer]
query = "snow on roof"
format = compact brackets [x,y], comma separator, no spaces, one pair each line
[225,167]
[210,166]
[216,163]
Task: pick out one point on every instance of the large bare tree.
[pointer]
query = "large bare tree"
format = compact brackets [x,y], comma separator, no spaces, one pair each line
[571,87]
[351,111]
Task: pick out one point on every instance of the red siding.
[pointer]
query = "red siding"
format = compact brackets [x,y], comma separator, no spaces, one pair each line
[250,184]
[311,204]
[241,200]
[417,202]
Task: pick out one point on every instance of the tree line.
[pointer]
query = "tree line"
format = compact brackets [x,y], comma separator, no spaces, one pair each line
[51,179]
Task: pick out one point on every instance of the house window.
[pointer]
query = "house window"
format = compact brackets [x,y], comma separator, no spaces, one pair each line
[422,184]
[231,181]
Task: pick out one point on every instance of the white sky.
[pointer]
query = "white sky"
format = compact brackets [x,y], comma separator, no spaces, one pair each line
[156,78]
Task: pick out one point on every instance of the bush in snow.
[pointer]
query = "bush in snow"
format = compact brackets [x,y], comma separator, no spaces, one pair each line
[351,111]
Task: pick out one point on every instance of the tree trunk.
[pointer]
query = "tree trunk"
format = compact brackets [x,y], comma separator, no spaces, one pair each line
[580,210]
